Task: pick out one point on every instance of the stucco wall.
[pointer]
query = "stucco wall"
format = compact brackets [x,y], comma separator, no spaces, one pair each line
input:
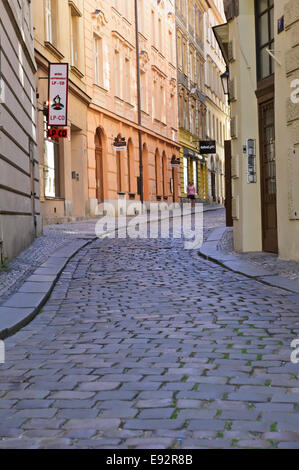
[18,226]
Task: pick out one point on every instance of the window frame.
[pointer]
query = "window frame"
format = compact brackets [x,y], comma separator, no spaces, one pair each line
[270,43]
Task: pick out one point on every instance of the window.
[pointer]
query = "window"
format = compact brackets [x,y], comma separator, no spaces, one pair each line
[117,90]
[193,119]
[51,165]
[200,123]
[127,83]
[184,9]
[191,16]
[186,114]
[170,47]
[179,46]
[49,35]
[163,104]
[198,72]
[181,110]
[185,60]
[221,140]
[160,47]
[74,38]
[98,61]
[264,11]
[213,130]
[185,174]
[191,65]
[143,92]
[126,9]
[195,178]
[50,21]
[153,28]
[141,16]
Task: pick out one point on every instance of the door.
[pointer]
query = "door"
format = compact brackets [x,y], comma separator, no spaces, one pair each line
[268,176]
[213,184]
[228,183]
[32,185]
[99,172]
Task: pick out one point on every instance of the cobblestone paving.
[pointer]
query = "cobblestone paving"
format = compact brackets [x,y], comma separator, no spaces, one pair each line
[146,345]
[54,238]
[268,261]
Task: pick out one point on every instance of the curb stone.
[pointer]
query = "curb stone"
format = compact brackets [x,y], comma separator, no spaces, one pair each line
[211,252]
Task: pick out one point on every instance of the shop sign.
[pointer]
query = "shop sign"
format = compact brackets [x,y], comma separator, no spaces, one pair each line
[54,133]
[207,147]
[58,94]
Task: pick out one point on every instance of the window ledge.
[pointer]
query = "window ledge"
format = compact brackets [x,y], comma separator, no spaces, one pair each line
[77,72]
[126,20]
[49,198]
[54,50]
[101,87]
[129,104]
[75,9]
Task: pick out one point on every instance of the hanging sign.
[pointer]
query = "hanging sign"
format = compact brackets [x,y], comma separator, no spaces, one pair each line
[175,162]
[207,146]
[57,133]
[120,144]
[58,94]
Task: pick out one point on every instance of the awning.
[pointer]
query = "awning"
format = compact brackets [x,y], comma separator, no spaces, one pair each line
[221,33]
[194,155]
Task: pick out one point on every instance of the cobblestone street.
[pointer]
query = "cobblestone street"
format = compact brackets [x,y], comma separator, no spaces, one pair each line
[144,344]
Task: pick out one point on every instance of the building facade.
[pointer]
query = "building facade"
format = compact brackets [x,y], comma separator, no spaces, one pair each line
[111,74]
[261,45]
[218,118]
[58,38]
[191,94]
[20,219]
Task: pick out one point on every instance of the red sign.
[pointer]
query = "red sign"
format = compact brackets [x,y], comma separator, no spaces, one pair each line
[58,94]
[57,133]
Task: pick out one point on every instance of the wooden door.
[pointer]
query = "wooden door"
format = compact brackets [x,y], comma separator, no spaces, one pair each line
[268,176]
[99,171]
[32,185]
[228,183]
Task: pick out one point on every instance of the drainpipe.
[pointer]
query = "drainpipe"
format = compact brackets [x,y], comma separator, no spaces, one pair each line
[139,102]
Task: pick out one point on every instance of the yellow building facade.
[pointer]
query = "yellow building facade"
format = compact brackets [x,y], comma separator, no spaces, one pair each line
[218,117]
[191,95]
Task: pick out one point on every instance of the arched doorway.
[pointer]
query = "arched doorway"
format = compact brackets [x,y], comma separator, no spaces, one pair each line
[131,169]
[145,173]
[99,145]
[164,175]
[175,181]
[158,175]
[213,180]
[119,171]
